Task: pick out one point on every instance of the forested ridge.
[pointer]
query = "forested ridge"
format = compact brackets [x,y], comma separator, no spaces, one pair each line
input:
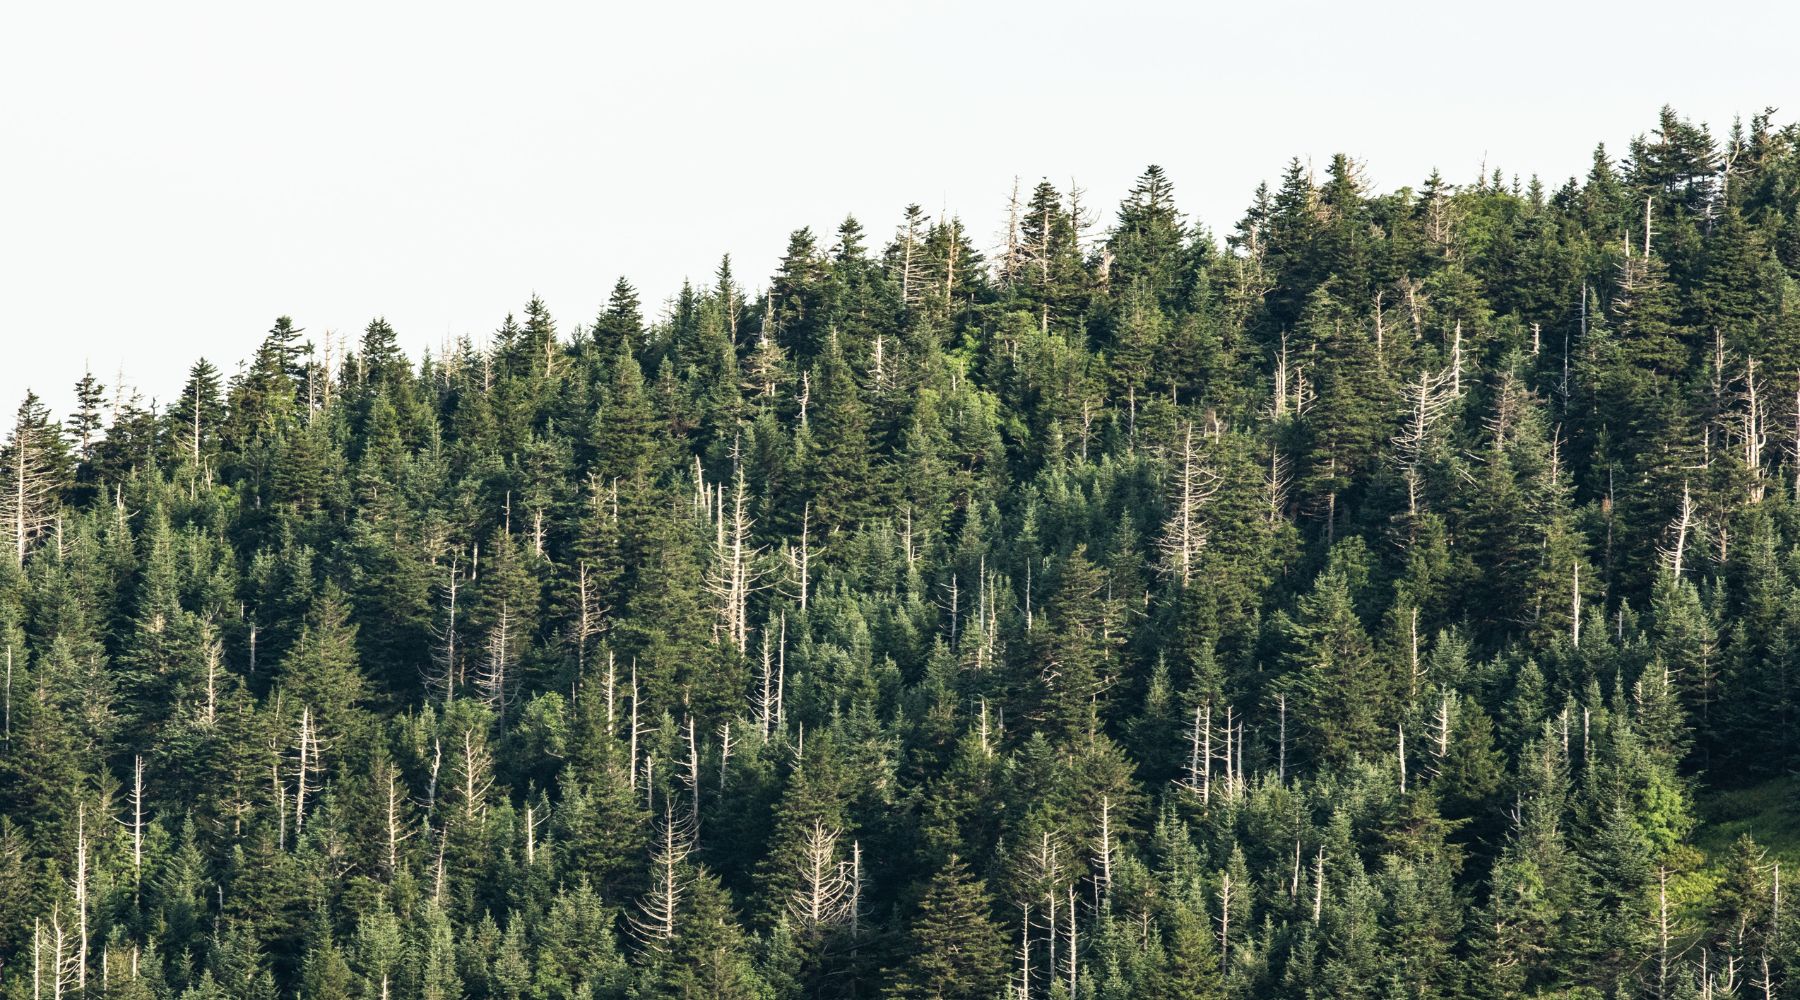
[1366,603]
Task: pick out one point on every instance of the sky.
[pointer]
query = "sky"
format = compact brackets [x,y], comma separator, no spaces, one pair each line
[175,176]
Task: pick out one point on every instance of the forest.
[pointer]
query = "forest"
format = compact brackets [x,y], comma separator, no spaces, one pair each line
[1398,596]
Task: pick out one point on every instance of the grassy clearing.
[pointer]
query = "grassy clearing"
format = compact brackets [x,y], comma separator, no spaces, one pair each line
[1769,812]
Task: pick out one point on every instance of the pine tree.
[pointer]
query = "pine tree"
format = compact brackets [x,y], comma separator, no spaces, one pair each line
[619,329]
[1046,273]
[1192,972]
[954,949]
[1146,245]
[1072,652]
[86,424]
[840,475]
[1341,693]
[505,619]
[322,673]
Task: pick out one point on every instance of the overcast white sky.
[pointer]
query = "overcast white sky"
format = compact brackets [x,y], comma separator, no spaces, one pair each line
[174,176]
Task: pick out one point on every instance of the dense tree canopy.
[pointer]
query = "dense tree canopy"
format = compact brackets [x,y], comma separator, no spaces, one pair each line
[1368,603]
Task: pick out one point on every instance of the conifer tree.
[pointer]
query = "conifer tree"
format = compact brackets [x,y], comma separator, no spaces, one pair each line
[954,949]
[1340,691]
[840,475]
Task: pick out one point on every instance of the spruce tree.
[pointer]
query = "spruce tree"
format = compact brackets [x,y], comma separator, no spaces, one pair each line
[953,950]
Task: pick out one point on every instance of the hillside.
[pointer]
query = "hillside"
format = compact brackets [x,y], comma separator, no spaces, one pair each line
[1395,596]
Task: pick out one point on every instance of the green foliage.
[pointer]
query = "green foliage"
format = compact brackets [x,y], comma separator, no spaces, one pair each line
[1396,598]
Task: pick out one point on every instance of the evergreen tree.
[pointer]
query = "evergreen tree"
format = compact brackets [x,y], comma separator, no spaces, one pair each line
[954,949]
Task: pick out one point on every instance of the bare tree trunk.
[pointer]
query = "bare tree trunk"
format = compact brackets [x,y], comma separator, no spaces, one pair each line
[1413,669]
[765,706]
[1441,732]
[1103,851]
[81,898]
[1206,756]
[724,752]
[1575,610]
[280,797]
[308,749]
[856,888]
[1663,931]
[1676,551]
[1185,533]
[659,910]
[394,835]
[822,892]
[1281,739]
[137,825]
[693,775]
[1071,950]
[1225,923]
[1024,951]
[1400,755]
[447,656]
[612,687]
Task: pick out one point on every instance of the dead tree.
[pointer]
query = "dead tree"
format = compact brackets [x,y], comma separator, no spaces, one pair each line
[28,502]
[1426,402]
[799,559]
[1225,888]
[1441,725]
[658,911]
[692,778]
[398,831]
[495,679]
[1199,768]
[532,821]
[1024,951]
[911,240]
[307,748]
[766,702]
[1277,480]
[475,774]
[725,747]
[1675,551]
[446,654]
[732,577]
[1043,877]
[1281,738]
[136,823]
[62,964]
[215,654]
[822,891]
[1278,400]
[80,892]
[1400,756]
[590,615]
[1664,936]
[1070,952]
[1103,851]
[1185,533]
